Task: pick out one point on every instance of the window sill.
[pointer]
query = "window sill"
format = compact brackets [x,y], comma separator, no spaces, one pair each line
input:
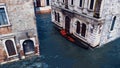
[5,25]
[90,10]
[71,5]
[80,8]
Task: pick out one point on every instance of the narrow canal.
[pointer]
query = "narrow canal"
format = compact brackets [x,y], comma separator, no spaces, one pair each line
[57,52]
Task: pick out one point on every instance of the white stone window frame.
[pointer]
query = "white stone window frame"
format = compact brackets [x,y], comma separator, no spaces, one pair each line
[12,39]
[76,26]
[81,22]
[22,40]
[8,24]
[93,5]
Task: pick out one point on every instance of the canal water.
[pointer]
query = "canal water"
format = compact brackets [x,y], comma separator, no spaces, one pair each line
[57,52]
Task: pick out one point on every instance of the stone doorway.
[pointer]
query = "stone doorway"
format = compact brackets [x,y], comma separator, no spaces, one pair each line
[28,47]
[67,24]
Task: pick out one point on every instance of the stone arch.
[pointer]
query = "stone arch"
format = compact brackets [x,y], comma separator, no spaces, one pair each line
[10,47]
[28,46]
[78,27]
[83,31]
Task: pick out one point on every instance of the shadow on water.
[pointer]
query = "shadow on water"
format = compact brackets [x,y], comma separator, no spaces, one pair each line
[57,52]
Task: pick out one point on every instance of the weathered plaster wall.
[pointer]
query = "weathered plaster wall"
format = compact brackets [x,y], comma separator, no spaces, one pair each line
[110,9]
[22,27]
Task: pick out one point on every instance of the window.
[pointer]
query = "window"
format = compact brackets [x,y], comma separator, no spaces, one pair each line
[113,23]
[81,2]
[63,1]
[10,47]
[91,4]
[71,2]
[55,16]
[28,46]
[3,16]
[78,27]
[58,17]
[83,30]
[38,3]
[47,2]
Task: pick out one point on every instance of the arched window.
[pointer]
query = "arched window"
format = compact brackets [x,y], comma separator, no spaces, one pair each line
[83,30]
[10,47]
[28,46]
[113,23]
[78,27]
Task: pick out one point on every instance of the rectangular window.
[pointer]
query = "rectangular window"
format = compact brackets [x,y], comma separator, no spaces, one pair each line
[91,4]
[38,3]
[48,3]
[113,23]
[71,2]
[3,16]
[80,4]
[63,1]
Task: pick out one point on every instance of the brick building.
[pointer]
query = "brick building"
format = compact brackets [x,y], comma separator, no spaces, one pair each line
[18,34]
[94,22]
[43,6]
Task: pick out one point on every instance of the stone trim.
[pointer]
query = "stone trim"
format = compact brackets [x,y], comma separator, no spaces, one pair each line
[12,39]
[8,24]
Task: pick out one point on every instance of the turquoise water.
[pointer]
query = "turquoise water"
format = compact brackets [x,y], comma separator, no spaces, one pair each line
[57,52]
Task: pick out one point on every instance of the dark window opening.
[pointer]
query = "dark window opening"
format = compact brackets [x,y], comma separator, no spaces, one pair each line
[80,3]
[78,27]
[67,24]
[38,3]
[48,3]
[55,16]
[91,4]
[3,17]
[71,2]
[58,17]
[83,30]
[10,47]
[113,23]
